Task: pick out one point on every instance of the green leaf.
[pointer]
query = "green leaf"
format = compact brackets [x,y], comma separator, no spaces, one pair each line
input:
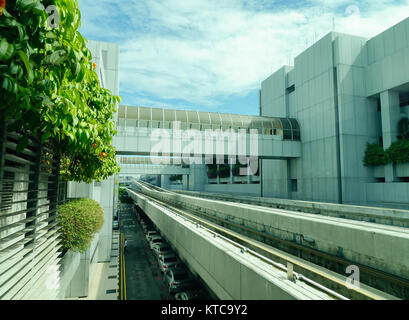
[22,144]
[27,64]
[26,5]
[6,50]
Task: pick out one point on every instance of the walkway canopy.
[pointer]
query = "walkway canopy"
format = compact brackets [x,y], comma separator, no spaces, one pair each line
[145,117]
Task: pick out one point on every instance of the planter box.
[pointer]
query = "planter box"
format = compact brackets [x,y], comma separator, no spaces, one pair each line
[240,179]
[379,172]
[213,180]
[402,170]
[255,178]
[69,266]
[225,179]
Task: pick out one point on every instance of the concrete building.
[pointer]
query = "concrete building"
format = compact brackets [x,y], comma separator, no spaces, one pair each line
[345,92]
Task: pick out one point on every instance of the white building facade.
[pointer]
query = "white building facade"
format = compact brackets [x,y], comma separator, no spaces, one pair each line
[345,92]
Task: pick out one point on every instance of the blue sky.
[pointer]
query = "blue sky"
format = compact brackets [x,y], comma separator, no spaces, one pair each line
[212,55]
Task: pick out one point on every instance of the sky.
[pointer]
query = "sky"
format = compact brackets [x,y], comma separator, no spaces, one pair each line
[212,55]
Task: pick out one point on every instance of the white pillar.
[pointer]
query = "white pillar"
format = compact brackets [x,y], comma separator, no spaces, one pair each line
[390,111]
[165,182]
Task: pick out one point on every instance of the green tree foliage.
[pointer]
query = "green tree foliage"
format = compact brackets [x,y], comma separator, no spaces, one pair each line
[49,88]
[123,196]
[79,220]
[374,155]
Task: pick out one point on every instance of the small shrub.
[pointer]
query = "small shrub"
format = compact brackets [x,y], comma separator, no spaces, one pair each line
[79,219]
[176,177]
[236,169]
[211,171]
[224,171]
[374,155]
[403,128]
[398,152]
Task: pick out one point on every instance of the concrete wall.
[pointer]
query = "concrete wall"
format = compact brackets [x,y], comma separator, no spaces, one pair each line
[339,83]
[80,279]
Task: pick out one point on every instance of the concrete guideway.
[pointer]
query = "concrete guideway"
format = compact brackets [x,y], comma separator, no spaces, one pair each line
[211,256]
[373,240]
[365,243]
[394,217]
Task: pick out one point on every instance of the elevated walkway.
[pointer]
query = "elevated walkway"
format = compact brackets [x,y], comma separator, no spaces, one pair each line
[142,131]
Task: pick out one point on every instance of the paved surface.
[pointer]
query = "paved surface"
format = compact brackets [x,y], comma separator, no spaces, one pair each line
[144,281]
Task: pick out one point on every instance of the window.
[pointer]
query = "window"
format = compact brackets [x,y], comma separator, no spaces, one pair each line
[290,89]
[294,185]
[404,99]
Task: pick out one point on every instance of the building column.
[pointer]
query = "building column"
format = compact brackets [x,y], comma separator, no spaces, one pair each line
[390,111]
[165,182]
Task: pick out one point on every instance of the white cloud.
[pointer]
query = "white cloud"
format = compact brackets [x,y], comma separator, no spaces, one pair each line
[201,50]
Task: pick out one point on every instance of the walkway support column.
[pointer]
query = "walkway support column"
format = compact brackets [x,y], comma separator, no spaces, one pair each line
[390,111]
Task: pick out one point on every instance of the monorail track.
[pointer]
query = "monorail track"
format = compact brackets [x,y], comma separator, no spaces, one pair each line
[318,273]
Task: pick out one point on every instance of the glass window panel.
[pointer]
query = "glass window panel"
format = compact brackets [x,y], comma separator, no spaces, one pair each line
[236,120]
[169,115]
[287,135]
[143,124]
[247,122]
[157,114]
[181,116]
[215,118]
[267,124]
[192,117]
[294,124]
[277,124]
[144,113]
[166,125]
[156,124]
[132,113]
[286,124]
[226,119]
[204,118]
